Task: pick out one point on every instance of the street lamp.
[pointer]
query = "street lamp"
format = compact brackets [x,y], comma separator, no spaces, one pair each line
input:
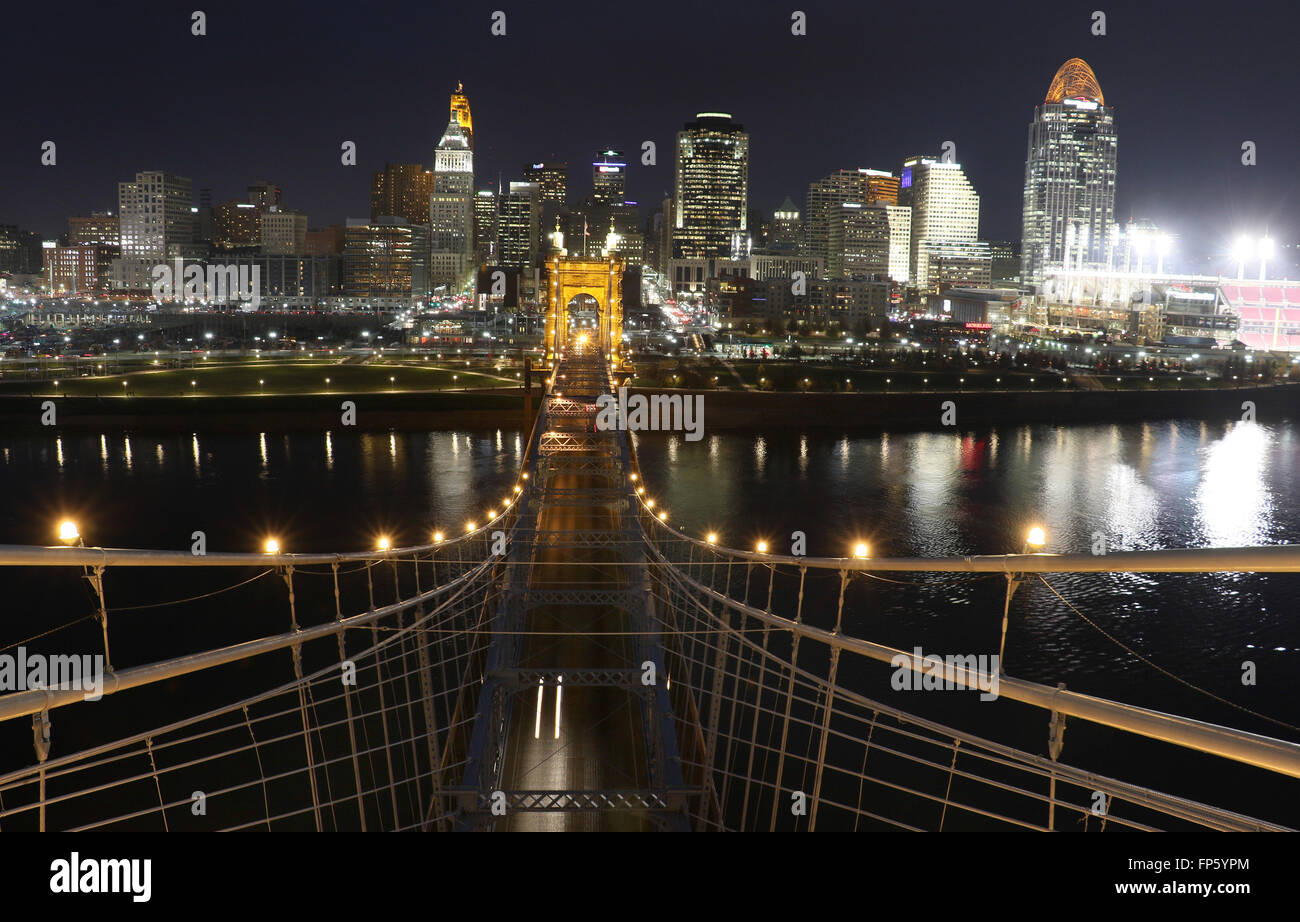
[272,546]
[69,534]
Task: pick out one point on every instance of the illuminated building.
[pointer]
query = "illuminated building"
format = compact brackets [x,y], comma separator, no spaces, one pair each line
[79,268]
[460,112]
[385,258]
[945,218]
[552,177]
[99,227]
[451,208]
[153,214]
[401,190]
[485,226]
[284,233]
[1069,200]
[236,224]
[608,178]
[519,227]
[264,195]
[826,195]
[712,187]
[785,233]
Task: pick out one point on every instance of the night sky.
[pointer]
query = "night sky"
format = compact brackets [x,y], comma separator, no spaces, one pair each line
[273,89]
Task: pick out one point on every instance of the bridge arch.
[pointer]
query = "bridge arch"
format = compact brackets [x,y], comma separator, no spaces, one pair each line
[569,279]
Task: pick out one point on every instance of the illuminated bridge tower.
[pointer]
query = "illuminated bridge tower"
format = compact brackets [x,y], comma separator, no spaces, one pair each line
[1069,202]
[571,281]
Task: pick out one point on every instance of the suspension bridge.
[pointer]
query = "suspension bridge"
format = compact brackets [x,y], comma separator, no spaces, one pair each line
[575,662]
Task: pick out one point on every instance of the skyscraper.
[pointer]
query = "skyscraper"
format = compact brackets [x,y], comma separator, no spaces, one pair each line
[608,178]
[552,177]
[519,226]
[485,227]
[1069,203]
[712,196]
[153,214]
[945,216]
[451,208]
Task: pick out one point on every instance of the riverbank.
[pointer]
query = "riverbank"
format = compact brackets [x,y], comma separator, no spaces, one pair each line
[723,410]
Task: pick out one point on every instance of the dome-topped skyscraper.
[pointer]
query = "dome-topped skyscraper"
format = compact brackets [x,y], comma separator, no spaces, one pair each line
[1069,202]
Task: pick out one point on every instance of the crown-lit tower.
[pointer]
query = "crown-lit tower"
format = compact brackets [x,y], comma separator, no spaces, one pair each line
[460,112]
[1069,202]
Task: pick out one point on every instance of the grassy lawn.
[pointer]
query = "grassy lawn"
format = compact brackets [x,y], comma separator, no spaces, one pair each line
[272,377]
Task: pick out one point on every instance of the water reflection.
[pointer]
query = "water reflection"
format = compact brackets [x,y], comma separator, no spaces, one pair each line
[1234,505]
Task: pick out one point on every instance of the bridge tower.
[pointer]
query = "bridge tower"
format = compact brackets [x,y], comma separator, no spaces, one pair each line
[569,277]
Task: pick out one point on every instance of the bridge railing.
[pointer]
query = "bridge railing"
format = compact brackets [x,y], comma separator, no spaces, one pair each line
[355,711]
[803,726]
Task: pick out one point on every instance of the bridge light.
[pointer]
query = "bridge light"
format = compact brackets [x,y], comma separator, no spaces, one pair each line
[1036,537]
[272,546]
[649,504]
[634,478]
[712,538]
[68,532]
[491,514]
[524,475]
[762,547]
[663,516]
[437,537]
[383,543]
[860,550]
[640,490]
[518,488]
[469,526]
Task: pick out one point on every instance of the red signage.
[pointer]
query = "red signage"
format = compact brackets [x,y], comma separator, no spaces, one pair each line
[979,326]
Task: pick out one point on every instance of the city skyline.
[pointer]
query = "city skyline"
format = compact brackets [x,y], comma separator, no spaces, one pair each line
[520,121]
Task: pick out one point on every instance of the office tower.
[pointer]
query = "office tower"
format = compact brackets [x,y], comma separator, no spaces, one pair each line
[451,209]
[386,258]
[519,227]
[153,212]
[284,233]
[99,227]
[900,241]
[552,177]
[861,186]
[945,215]
[712,187]
[401,190]
[1069,201]
[485,227]
[608,178]
[858,241]
[460,112]
[785,233]
[153,215]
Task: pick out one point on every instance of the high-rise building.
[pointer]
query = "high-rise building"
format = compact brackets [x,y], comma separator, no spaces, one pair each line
[1069,202]
[326,241]
[485,227]
[460,112]
[945,210]
[712,187]
[858,241]
[83,267]
[284,233]
[519,227]
[861,187]
[154,213]
[401,190]
[608,177]
[451,209]
[385,259]
[20,250]
[552,177]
